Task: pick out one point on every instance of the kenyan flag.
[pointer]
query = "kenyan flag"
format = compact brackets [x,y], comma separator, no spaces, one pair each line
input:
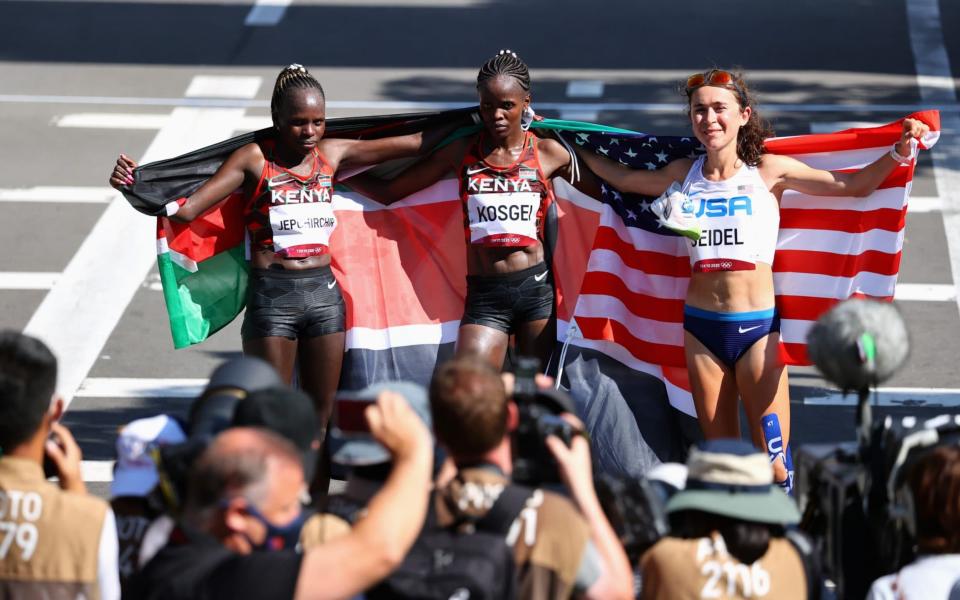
[203,270]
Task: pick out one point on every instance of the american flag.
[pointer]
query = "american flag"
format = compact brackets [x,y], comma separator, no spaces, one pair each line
[630,305]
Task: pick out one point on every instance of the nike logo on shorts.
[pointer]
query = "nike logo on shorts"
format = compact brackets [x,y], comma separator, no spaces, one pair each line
[742,330]
[540,276]
[332,284]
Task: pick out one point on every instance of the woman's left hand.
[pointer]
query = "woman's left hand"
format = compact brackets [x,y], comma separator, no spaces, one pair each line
[912,129]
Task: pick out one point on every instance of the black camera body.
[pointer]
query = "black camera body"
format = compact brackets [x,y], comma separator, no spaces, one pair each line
[539,412]
[855,501]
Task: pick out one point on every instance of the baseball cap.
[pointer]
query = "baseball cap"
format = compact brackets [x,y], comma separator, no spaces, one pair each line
[135,473]
[732,479]
[360,450]
[285,411]
[213,411]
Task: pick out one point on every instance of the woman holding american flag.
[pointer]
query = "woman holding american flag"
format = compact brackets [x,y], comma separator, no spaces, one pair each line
[727,203]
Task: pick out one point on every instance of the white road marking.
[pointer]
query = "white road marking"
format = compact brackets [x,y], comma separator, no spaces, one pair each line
[936,83]
[925,292]
[892,396]
[266,13]
[252,123]
[16,280]
[97,471]
[585,88]
[50,193]
[925,204]
[113,120]
[224,86]
[385,105]
[124,387]
[78,315]
[831,126]
[590,116]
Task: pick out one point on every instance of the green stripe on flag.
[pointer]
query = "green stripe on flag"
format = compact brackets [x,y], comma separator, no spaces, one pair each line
[201,303]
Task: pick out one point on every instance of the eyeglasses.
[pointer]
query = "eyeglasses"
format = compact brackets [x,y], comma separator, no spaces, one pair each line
[718,78]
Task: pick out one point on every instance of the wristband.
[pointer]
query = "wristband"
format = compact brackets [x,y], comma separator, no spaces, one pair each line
[173,207]
[904,160]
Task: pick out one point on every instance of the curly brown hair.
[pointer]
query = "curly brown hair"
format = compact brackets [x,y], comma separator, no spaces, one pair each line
[751,136]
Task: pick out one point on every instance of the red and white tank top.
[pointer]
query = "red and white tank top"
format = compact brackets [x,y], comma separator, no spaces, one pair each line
[739,220]
[504,206]
[292,214]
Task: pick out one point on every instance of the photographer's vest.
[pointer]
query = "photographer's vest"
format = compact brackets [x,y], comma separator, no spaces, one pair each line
[549,537]
[702,568]
[49,539]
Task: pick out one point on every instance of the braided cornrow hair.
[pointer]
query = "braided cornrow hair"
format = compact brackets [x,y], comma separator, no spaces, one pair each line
[505,62]
[293,77]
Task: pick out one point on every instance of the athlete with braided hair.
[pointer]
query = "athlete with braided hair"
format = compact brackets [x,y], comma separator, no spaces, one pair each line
[504,173]
[295,312]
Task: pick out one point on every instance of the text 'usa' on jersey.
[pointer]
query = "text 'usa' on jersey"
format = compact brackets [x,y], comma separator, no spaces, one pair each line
[291,214]
[504,206]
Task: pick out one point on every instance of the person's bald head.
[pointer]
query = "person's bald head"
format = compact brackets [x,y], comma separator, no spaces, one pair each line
[241,461]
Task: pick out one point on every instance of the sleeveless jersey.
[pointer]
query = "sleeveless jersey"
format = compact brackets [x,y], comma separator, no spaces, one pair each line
[504,206]
[739,219]
[292,214]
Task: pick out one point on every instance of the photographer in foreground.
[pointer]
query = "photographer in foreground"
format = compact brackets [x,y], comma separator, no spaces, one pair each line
[934,482]
[728,537]
[243,502]
[54,542]
[559,552]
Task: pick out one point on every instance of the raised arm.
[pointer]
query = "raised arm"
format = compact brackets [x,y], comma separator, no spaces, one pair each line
[244,161]
[638,181]
[419,176]
[379,541]
[788,173]
[358,153]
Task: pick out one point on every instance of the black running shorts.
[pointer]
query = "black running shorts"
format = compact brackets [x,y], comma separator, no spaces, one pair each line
[505,301]
[293,304]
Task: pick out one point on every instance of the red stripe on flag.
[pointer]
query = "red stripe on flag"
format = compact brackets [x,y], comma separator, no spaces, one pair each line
[642,305]
[849,139]
[837,265]
[794,354]
[654,263]
[900,177]
[849,221]
[613,331]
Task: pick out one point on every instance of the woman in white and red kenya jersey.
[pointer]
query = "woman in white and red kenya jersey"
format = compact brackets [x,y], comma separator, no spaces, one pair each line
[294,308]
[732,331]
[504,174]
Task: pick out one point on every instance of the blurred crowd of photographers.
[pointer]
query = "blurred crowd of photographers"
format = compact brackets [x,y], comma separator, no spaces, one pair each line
[481,486]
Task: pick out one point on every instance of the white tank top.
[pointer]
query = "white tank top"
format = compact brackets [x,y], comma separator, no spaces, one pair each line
[739,220]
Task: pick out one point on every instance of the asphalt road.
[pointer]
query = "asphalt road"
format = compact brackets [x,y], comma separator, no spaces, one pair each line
[82,81]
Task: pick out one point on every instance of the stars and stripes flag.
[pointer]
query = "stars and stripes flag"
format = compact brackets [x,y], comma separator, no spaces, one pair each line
[630,303]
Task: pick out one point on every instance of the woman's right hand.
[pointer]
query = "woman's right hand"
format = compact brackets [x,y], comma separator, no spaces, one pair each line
[122,174]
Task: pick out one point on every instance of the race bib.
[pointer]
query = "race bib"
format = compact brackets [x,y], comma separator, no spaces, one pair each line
[504,219]
[302,230]
[727,234]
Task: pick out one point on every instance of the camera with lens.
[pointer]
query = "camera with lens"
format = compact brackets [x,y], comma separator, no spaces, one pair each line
[540,411]
[855,502]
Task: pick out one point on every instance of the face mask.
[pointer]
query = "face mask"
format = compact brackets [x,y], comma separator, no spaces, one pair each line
[279,538]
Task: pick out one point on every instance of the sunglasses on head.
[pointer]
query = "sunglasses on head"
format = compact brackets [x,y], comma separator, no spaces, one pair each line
[714,77]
